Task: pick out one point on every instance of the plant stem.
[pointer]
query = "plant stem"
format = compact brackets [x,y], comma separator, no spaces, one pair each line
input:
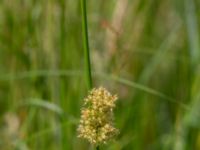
[86,44]
[86,47]
[97,148]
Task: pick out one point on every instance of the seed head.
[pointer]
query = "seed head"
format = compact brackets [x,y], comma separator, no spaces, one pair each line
[96,123]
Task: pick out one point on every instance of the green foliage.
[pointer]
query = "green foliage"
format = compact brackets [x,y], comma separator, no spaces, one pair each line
[146,51]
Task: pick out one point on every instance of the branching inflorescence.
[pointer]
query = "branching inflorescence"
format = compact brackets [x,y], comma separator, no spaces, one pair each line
[96,124]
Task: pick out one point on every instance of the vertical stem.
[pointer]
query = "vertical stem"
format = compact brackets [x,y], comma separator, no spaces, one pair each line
[97,148]
[86,44]
[86,47]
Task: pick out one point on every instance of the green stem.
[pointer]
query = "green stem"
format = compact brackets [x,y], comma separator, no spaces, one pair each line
[97,148]
[86,44]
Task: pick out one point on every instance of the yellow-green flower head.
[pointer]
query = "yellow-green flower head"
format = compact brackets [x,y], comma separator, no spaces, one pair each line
[96,124]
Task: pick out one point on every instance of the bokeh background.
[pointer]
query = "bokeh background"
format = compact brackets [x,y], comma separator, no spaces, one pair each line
[145,51]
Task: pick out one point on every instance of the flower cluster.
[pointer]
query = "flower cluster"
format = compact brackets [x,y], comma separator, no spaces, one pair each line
[96,124]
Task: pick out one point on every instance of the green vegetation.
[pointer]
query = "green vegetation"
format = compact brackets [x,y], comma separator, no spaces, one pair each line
[146,51]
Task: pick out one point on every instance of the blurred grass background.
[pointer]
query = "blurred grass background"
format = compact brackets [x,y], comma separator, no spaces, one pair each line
[146,51]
